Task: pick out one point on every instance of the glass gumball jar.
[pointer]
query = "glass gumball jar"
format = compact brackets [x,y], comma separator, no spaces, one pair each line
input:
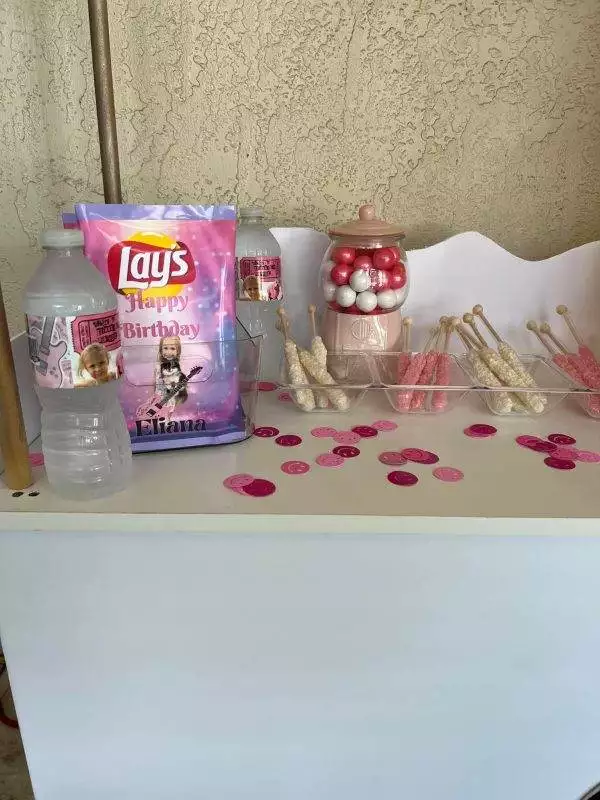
[364,282]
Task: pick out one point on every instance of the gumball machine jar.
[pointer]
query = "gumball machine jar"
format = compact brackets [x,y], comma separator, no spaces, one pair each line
[364,281]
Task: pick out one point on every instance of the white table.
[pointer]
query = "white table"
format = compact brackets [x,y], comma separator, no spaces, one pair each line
[344,638]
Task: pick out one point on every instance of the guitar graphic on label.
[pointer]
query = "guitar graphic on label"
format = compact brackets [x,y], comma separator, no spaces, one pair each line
[153,407]
[47,358]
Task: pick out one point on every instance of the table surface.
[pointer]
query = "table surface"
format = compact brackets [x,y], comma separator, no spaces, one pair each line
[183,490]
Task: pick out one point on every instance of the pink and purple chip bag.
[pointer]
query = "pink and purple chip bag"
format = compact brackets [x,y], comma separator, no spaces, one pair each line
[172,268]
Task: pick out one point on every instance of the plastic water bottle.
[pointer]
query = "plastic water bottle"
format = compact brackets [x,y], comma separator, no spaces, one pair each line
[260,290]
[74,345]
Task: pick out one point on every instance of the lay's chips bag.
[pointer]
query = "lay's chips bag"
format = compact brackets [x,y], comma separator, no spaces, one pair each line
[173,270]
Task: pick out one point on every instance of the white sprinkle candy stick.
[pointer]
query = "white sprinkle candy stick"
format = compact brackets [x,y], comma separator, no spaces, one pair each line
[297,377]
[499,402]
[509,377]
[319,352]
[338,398]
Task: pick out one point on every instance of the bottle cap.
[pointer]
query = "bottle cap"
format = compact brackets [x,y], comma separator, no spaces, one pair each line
[61,239]
[253,212]
[367,225]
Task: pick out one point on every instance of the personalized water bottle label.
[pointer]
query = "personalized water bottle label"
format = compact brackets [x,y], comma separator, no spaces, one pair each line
[259,278]
[74,352]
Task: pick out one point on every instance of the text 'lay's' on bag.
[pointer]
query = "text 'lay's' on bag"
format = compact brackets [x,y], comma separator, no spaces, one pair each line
[173,270]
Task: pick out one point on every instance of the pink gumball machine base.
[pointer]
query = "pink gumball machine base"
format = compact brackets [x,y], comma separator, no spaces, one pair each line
[362,331]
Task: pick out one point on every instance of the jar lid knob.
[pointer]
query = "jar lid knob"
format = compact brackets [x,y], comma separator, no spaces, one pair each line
[366,213]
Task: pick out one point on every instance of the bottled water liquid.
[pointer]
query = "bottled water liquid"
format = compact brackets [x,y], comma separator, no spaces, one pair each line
[260,290]
[74,345]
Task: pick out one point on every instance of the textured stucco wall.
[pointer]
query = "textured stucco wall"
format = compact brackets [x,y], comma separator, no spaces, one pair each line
[450,114]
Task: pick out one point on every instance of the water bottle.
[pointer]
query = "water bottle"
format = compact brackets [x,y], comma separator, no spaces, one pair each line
[74,346]
[260,290]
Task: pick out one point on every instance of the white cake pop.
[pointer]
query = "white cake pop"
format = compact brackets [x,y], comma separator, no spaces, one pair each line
[360,280]
[329,291]
[345,296]
[366,301]
[386,299]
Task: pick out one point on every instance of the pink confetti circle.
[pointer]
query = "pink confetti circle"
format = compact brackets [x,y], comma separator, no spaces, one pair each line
[448,474]
[346,451]
[236,482]
[527,441]
[259,488]
[266,386]
[288,440]
[365,431]
[561,438]
[479,431]
[541,447]
[565,453]
[329,460]
[295,467]
[401,478]
[588,456]
[323,433]
[559,463]
[266,432]
[36,459]
[420,456]
[392,458]
[346,437]
[385,425]
[285,397]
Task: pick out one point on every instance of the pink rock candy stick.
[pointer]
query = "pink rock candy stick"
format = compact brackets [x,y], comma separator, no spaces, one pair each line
[439,400]
[425,378]
[411,377]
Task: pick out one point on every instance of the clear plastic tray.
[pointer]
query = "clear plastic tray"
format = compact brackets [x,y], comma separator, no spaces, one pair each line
[419,399]
[552,388]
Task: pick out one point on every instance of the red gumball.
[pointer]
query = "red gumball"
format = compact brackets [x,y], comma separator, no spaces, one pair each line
[380,280]
[363,251]
[343,255]
[385,258]
[340,274]
[362,262]
[397,277]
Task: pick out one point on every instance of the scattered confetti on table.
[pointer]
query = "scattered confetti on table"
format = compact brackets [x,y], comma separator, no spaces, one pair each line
[419,456]
[561,438]
[448,474]
[385,425]
[365,431]
[588,456]
[295,467]
[259,488]
[559,463]
[346,437]
[565,453]
[288,440]
[323,433]
[346,451]
[480,431]
[237,482]
[266,432]
[329,460]
[401,478]
[285,397]
[526,440]
[266,386]
[392,458]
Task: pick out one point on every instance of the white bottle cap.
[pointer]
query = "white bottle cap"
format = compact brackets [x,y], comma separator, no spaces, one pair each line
[252,212]
[61,239]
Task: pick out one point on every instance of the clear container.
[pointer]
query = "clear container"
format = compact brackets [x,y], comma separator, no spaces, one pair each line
[70,307]
[259,285]
[352,374]
[552,388]
[442,394]
[364,282]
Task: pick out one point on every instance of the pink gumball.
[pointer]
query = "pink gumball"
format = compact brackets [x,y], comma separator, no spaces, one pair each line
[380,280]
[343,255]
[397,277]
[384,258]
[363,262]
[340,274]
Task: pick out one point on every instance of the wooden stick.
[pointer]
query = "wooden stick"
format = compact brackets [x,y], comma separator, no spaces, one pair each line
[285,323]
[545,328]
[462,333]
[406,326]
[466,334]
[563,311]
[446,324]
[313,324]
[13,440]
[470,320]
[533,327]
[478,312]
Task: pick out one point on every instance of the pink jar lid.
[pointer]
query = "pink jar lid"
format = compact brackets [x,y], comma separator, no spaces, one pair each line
[367,225]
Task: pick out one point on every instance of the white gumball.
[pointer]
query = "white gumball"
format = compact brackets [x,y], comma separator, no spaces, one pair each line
[366,301]
[329,291]
[345,296]
[387,299]
[400,296]
[360,280]
[328,266]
